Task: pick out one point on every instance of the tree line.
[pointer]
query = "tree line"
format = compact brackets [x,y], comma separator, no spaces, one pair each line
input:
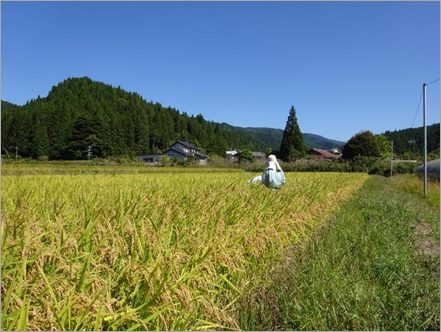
[411,141]
[80,117]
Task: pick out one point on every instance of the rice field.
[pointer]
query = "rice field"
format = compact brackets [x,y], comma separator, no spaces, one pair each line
[143,248]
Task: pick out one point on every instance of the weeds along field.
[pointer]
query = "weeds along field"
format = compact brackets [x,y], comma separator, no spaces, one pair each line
[164,249]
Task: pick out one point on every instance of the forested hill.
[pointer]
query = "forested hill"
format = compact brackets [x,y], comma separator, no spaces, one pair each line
[271,137]
[79,113]
[8,107]
[411,140]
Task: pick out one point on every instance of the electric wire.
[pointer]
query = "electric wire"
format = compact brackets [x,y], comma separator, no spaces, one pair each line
[419,103]
[433,82]
[416,112]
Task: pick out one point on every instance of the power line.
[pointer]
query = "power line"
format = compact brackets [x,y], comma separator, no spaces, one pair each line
[419,103]
[416,112]
[433,81]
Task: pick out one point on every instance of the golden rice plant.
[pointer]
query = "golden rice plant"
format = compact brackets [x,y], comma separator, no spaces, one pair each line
[165,250]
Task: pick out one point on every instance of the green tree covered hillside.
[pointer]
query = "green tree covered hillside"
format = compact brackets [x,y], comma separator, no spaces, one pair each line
[80,113]
[411,140]
[272,137]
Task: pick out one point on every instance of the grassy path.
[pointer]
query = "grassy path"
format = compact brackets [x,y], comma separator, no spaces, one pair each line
[374,266]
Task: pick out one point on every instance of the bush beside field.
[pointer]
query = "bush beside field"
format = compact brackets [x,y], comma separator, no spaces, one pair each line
[367,165]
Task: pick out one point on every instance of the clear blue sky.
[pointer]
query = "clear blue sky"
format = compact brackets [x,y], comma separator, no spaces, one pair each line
[344,66]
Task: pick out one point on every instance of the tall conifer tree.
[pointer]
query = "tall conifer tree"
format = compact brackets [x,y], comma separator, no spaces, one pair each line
[292,145]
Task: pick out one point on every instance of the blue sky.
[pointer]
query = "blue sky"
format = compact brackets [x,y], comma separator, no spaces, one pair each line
[344,66]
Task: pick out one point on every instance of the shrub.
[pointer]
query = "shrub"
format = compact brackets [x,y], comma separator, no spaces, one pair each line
[310,165]
[403,168]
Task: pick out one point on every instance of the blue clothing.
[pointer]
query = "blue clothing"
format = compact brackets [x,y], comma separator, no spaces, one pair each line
[272,178]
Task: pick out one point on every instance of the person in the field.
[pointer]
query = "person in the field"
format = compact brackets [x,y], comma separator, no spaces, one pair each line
[272,176]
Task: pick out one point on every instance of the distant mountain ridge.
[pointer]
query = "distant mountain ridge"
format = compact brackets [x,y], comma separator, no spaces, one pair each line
[272,137]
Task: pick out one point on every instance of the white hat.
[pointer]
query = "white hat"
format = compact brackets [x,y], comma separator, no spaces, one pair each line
[272,163]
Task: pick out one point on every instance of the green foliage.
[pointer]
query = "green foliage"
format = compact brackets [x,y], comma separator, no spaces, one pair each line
[272,137]
[434,154]
[292,146]
[403,168]
[265,138]
[165,161]
[79,113]
[364,144]
[384,146]
[308,165]
[360,164]
[377,166]
[84,140]
[320,142]
[245,156]
[411,140]
[366,164]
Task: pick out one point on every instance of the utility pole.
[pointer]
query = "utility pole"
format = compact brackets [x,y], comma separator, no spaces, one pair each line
[89,152]
[425,139]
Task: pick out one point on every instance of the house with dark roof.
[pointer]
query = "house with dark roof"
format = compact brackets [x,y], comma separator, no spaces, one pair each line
[181,150]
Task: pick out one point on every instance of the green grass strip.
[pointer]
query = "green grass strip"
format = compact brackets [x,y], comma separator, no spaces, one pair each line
[370,268]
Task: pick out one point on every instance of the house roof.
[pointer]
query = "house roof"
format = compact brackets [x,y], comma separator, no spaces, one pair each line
[177,151]
[258,154]
[324,153]
[201,155]
[184,154]
[335,151]
[186,144]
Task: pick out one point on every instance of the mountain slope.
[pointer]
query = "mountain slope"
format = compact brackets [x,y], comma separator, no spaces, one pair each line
[411,140]
[80,114]
[271,137]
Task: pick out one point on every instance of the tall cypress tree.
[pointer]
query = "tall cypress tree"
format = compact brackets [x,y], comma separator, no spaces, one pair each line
[292,145]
